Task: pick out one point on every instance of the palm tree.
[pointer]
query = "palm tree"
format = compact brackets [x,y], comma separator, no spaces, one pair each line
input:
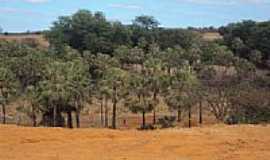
[8,88]
[79,80]
[157,78]
[115,79]
[140,99]
[31,96]
[184,86]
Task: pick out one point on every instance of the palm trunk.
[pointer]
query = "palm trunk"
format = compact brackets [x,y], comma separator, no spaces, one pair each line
[154,110]
[114,108]
[34,117]
[179,113]
[78,123]
[200,113]
[154,116]
[106,113]
[69,119]
[34,120]
[55,116]
[4,113]
[101,114]
[114,116]
[189,116]
[143,120]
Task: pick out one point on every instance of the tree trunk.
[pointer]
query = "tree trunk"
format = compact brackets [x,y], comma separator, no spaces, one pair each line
[114,108]
[200,113]
[154,116]
[55,116]
[189,116]
[34,119]
[33,116]
[69,119]
[4,113]
[179,114]
[101,114]
[154,110]
[106,113]
[143,120]
[114,116]
[78,123]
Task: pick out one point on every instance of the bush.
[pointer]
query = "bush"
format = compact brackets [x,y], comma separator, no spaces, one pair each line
[167,121]
[250,115]
[147,127]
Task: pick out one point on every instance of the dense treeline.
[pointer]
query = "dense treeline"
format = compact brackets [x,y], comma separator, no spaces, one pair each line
[135,67]
[250,40]
[91,31]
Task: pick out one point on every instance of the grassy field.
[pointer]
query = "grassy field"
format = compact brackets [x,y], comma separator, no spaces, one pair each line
[219,142]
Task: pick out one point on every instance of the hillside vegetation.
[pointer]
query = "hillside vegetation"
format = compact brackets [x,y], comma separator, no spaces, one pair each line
[170,74]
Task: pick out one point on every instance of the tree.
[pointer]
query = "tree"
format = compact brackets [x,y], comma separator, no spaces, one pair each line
[158,80]
[184,86]
[115,79]
[8,89]
[246,36]
[85,30]
[146,22]
[79,80]
[31,96]
[175,102]
[139,99]
[55,94]
[64,89]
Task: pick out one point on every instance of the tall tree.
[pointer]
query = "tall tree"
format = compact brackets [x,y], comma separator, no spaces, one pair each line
[115,79]
[140,98]
[8,88]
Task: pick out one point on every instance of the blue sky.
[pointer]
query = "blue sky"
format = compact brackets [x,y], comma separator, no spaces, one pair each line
[22,15]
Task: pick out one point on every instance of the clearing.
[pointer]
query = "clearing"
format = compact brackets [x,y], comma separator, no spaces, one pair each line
[218,142]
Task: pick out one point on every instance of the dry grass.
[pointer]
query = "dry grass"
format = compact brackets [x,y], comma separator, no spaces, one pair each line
[20,38]
[211,36]
[218,142]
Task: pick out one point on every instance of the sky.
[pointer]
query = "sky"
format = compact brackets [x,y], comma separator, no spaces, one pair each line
[35,15]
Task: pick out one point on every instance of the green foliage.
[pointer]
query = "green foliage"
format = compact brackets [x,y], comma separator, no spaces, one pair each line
[8,85]
[139,65]
[245,37]
[147,22]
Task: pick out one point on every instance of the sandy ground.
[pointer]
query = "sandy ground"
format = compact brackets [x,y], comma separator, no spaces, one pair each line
[218,142]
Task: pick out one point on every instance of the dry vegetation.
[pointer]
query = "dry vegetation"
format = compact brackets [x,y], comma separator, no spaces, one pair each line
[210,36]
[29,37]
[245,142]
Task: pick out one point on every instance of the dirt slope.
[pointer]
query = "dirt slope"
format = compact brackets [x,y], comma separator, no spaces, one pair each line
[209,143]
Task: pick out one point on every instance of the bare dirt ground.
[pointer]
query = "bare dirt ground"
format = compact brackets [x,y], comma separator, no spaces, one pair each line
[217,142]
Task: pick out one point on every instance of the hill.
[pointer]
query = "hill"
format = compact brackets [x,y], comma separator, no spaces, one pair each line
[245,142]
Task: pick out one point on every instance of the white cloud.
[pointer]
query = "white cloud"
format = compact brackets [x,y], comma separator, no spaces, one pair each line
[28,1]
[20,11]
[36,1]
[125,6]
[227,2]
